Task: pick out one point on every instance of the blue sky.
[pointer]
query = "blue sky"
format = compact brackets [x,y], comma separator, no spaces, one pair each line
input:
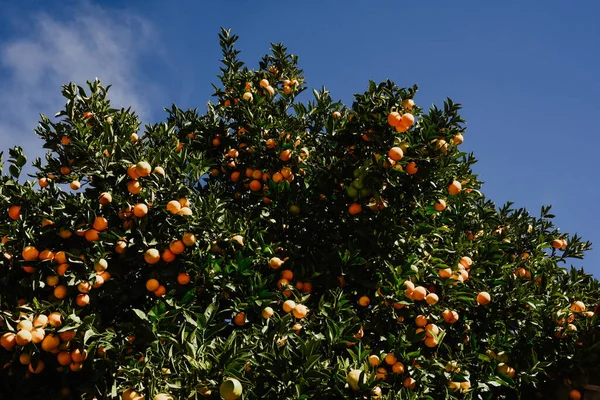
[525,72]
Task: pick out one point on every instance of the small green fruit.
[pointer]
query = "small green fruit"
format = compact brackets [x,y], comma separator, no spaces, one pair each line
[231,389]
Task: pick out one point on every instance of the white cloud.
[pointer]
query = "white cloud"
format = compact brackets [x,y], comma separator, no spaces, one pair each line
[91,42]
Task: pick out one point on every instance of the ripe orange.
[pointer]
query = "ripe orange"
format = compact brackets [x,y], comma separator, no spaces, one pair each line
[55,319]
[454,188]
[440,205]
[390,359]
[25,358]
[419,293]
[267,312]
[177,247]
[407,119]
[64,358]
[364,301]
[411,168]
[240,319]
[100,224]
[91,235]
[79,356]
[421,320]
[466,262]
[398,368]
[75,185]
[105,198]
[276,262]
[152,284]
[255,185]
[396,153]
[38,368]
[161,291]
[574,395]
[354,209]
[374,360]
[285,155]
[288,306]
[173,206]
[30,253]
[185,211]
[134,187]
[100,265]
[23,337]
[336,115]
[40,321]
[37,335]
[140,210]
[188,239]
[67,335]
[300,311]
[450,316]
[46,254]
[578,306]
[183,278]
[82,300]
[7,341]
[394,118]
[168,256]
[409,383]
[120,246]
[483,298]
[143,168]
[432,298]
[98,282]
[408,104]
[458,139]
[43,182]
[60,292]
[84,287]
[152,256]
[235,176]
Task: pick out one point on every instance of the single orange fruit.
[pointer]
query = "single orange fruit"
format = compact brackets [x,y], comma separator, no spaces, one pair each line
[354,209]
[60,292]
[161,291]
[134,187]
[255,185]
[30,253]
[91,235]
[64,358]
[396,153]
[285,155]
[183,278]
[173,206]
[38,368]
[483,298]
[140,210]
[288,306]
[82,300]
[152,284]
[411,168]
[240,319]
[454,188]
[100,224]
[398,368]
[300,311]
[364,301]
[177,247]
[152,256]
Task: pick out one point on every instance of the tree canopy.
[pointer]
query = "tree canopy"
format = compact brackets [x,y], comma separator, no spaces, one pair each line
[277,249]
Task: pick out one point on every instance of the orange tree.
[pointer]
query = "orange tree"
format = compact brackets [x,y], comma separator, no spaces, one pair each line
[274,249]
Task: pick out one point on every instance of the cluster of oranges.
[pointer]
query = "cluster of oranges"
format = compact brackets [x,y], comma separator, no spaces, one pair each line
[41,332]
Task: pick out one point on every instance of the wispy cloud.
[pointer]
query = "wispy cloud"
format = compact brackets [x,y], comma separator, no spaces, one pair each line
[90,42]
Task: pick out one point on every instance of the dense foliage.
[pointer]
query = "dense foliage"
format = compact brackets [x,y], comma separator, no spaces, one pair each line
[291,250]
